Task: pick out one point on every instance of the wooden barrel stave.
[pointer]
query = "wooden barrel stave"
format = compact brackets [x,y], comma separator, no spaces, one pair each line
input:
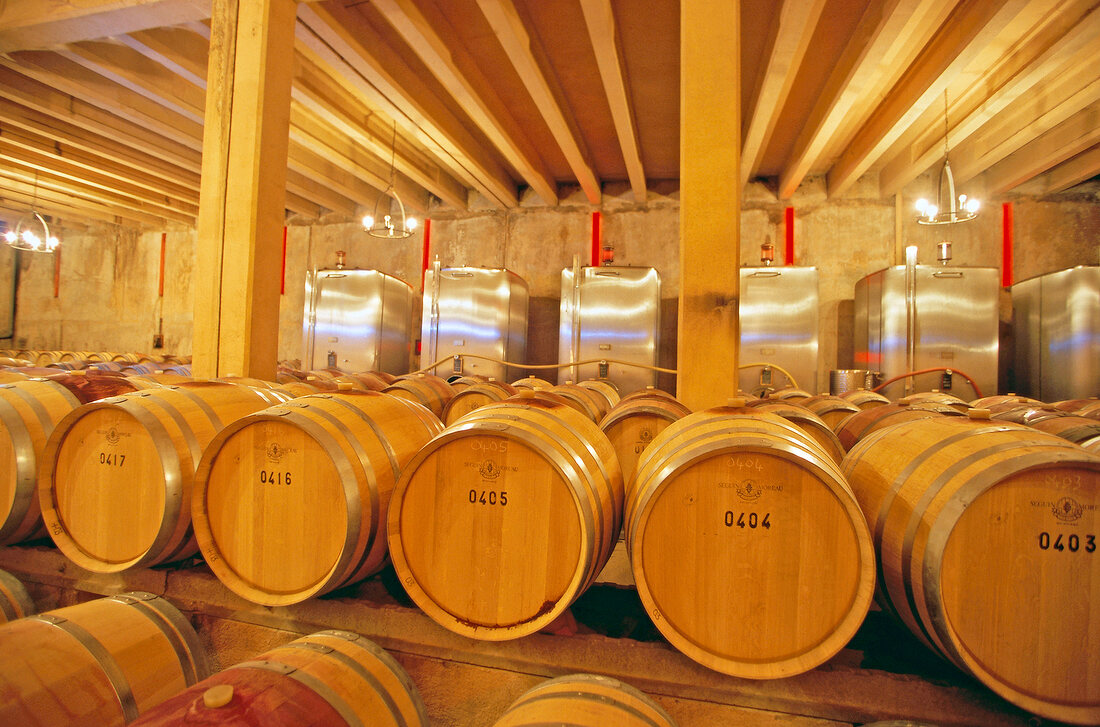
[958,510]
[29,411]
[15,602]
[528,482]
[784,501]
[142,515]
[320,470]
[584,700]
[99,664]
[324,679]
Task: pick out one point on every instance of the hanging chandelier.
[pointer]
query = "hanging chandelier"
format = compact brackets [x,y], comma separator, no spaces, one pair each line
[31,231]
[960,208]
[382,222]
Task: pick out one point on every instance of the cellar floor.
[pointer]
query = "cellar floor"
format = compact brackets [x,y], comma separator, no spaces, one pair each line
[883,673]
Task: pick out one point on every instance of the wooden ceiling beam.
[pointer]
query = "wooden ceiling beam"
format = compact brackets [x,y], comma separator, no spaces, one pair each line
[970,28]
[603,33]
[86,175]
[95,151]
[157,83]
[884,30]
[518,45]
[10,214]
[1047,105]
[46,179]
[344,153]
[332,36]
[501,130]
[310,185]
[62,212]
[180,50]
[1063,44]
[41,24]
[76,80]
[1073,136]
[338,108]
[797,20]
[65,109]
[299,205]
[1068,174]
[51,194]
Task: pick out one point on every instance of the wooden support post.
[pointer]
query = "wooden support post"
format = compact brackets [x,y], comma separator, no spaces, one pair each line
[710,202]
[242,194]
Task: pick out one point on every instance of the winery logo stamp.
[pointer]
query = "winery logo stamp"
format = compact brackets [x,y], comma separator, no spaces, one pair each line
[112,436]
[489,470]
[1067,510]
[275,452]
[749,491]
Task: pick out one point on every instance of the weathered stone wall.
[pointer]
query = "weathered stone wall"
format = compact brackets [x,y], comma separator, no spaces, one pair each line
[108,284]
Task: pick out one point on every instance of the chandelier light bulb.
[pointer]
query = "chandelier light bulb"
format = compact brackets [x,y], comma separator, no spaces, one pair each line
[922,205]
[10,236]
[368,222]
[931,211]
[411,223]
[972,206]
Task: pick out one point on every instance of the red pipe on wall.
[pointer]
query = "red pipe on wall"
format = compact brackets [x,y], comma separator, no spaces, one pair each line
[597,234]
[160,277]
[788,232]
[1006,245]
[427,252]
[282,281]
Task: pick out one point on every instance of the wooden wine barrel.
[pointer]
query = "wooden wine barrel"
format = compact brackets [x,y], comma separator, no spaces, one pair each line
[807,421]
[372,380]
[584,700]
[590,403]
[748,549]
[532,382]
[8,376]
[458,383]
[831,409]
[986,534]
[997,401]
[424,389]
[1027,413]
[937,397]
[290,502]
[1074,405]
[15,602]
[116,475]
[790,395]
[475,396]
[1080,430]
[504,518]
[633,423]
[865,399]
[326,679]
[860,425]
[98,664]
[606,387]
[29,411]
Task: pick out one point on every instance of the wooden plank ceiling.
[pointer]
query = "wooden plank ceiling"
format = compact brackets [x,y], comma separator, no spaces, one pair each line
[101,101]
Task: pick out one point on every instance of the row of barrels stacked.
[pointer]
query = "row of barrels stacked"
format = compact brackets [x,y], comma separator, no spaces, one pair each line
[756,531]
[134,658]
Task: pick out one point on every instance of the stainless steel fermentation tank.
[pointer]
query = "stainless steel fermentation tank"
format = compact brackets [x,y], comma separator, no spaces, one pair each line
[357,320]
[474,312]
[779,323]
[914,317]
[614,314]
[1057,331]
